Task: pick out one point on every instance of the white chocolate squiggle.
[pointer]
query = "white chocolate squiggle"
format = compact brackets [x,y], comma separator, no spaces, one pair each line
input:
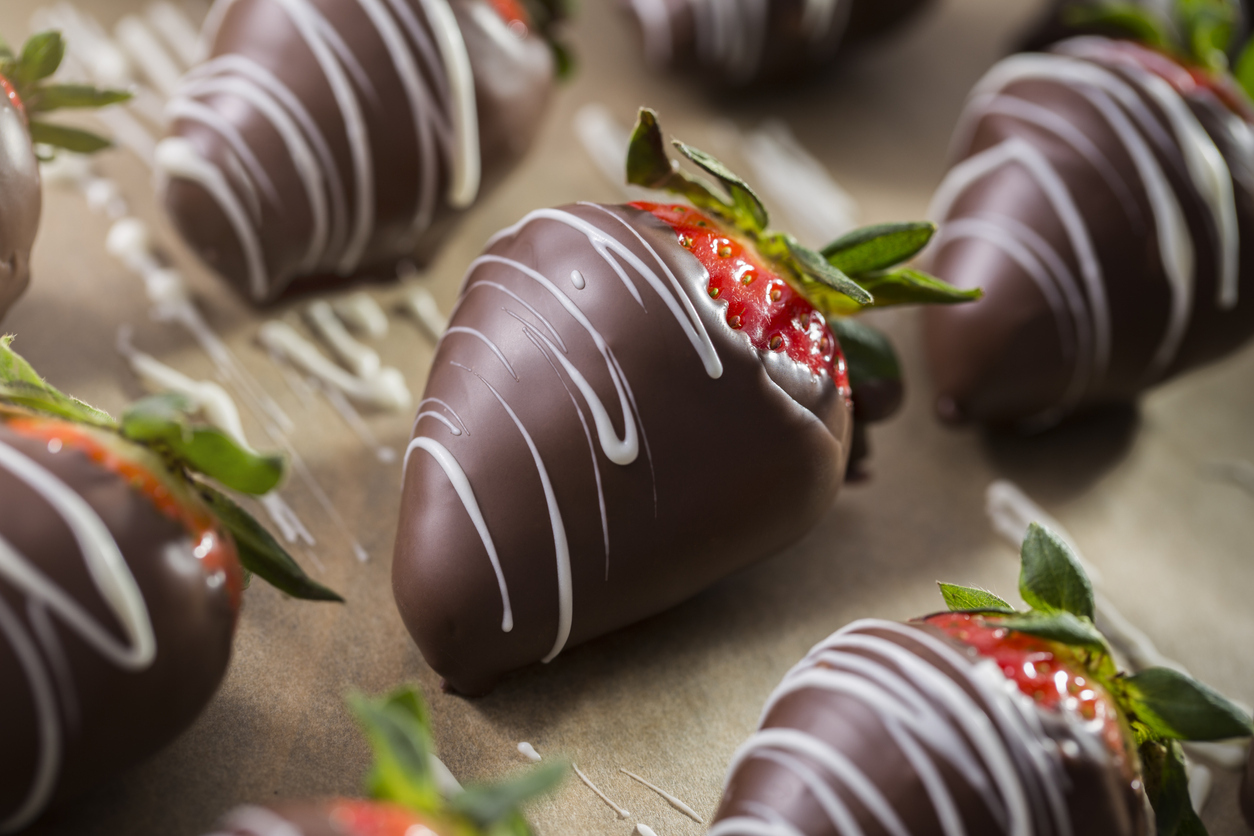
[938,708]
[117,587]
[433,68]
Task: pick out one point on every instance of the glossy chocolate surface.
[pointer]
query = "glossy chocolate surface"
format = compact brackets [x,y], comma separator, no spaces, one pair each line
[20,201]
[560,309]
[887,724]
[81,701]
[1109,218]
[738,42]
[341,154]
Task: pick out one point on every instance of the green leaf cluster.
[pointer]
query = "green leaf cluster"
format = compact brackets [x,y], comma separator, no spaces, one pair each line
[1163,706]
[162,424]
[1200,32]
[28,70]
[399,730]
[860,270]
[546,17]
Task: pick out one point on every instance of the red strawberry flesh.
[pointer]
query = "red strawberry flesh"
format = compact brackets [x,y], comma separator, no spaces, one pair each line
[1050,673]
[214,549]
[10,92]
[514,13]
[373,818]
[760,303]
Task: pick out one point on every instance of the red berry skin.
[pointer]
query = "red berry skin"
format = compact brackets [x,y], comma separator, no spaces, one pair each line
[10,92]
[107,716]
[331,817]
[759,302]
[514,13]
[1050,673]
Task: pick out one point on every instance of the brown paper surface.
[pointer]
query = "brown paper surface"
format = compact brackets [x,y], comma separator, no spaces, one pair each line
[671,698]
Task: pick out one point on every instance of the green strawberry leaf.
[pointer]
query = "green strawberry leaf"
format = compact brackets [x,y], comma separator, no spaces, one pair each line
[1167,787]
[1140,24]
[906,286]
[67,138]
[41,55]
[1051,578]
[489,806]
[869,353]
[260,553]
[22,386]
[970,599]
[878,247]
[813,266]
[163,421]
[6,53]
[64,96]
[1176,706]
[1244,70]
[649,166]
[1208,28]
[399,730]
[750,213]
[1062,627]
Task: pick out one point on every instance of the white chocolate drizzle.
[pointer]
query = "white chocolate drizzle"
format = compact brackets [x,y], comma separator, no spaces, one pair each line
[386,389]
[529,752]
[618,811]
[363,314]
[952,710]
[667,797]
[433,68]
[420,304]
[111,577]
[1122,97]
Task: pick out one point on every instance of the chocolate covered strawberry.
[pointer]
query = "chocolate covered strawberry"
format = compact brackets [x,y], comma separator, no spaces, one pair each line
[742,42]
[980,720]
[1102,198]
[630,403]
[121,572]
[323,139]
[409,797]
[1247,790]
[25,97]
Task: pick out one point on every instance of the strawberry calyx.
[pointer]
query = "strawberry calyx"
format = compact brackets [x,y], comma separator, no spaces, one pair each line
[1054,675]
[23,79]
[168,459]
[759,302]
[406,788]
[147,476]
[1047,651]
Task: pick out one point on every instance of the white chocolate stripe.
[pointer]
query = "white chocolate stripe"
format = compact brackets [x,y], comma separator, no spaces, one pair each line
[117,587]
[466,164]
[466,493]
[481,337]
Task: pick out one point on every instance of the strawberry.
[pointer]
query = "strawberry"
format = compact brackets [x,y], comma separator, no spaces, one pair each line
[1100,199]
[615,381]
[121,572]
[408,797]
[979,720]
[24,98]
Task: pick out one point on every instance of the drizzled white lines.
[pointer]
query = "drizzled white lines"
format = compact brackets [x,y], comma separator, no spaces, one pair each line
[111,577]
[937,707]
[485,277]
[1150,120]
[430,60]
[731,34]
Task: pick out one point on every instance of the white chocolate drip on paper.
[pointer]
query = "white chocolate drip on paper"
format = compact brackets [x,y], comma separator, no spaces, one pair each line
[358,358]
[643,829]
[363,314]
[618,811]
[386,390]
[110,576]
[1011,511]
[667,797]
[529,752]
[420,304]
[147,52]
[176,30]
[433,68]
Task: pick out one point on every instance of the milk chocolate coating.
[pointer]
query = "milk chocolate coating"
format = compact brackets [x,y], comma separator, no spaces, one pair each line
[876,711]
[741,42]
[767,435]
[234,111]
[20,201]
[1108,219]
[67,705]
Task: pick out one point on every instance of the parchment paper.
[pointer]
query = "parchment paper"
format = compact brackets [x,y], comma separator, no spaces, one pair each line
[669,699]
